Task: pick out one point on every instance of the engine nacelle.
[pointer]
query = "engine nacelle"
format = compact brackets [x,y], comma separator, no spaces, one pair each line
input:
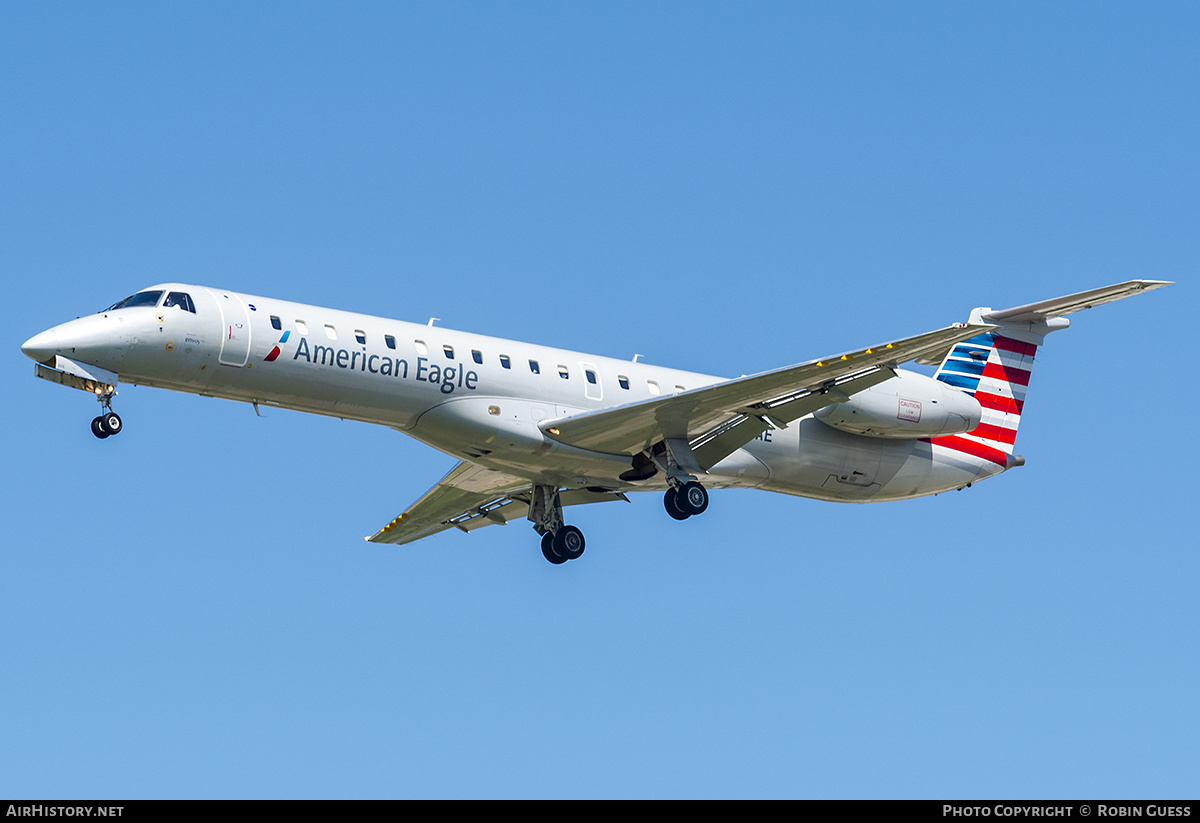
[908,405]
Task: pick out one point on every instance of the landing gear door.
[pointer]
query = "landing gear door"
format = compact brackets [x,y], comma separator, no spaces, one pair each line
[235,330]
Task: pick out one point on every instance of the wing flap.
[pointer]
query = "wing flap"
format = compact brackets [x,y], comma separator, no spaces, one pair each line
[466,489]
[715,445]
[470,497]
[712,447]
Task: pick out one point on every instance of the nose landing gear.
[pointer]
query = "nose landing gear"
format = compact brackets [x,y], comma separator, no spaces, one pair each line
[109,422]
[106,425]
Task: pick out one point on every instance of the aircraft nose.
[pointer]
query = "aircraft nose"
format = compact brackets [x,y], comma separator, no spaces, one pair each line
[41,347]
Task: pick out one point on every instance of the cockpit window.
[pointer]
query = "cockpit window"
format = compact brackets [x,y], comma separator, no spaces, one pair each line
[180,300]
[141,299]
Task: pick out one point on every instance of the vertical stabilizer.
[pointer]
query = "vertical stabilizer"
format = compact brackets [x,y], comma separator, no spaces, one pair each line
[994,367]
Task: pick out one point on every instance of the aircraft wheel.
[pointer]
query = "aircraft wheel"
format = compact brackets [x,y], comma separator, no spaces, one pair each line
[693,498]
[98,428]
[111,422]
[548,550]
[671,504]
[569,542]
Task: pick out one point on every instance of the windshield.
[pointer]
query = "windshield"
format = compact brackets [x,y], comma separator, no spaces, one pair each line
[142,298]
[179,300]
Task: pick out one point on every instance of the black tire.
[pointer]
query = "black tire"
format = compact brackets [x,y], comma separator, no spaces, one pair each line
[693,498]
[671,504]
[112,422]
[548,550]
[569,542]
[98,428]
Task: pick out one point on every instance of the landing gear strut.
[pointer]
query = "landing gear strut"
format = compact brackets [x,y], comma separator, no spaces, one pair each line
[560,543]
[674,456]
[109,422]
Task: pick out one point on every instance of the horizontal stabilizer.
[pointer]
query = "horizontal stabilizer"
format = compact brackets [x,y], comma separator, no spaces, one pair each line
[1071,303]
[1030,321]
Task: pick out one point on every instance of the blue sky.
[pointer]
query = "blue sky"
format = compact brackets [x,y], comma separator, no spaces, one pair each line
[190,610]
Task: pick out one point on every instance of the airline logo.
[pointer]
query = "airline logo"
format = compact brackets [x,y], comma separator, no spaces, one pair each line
[995,370]
[275,351]
[447,378]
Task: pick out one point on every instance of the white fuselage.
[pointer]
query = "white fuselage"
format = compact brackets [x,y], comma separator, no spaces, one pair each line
[479,398]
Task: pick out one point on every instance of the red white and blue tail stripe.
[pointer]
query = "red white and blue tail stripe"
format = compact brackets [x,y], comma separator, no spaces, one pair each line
[995,370]
[994,367]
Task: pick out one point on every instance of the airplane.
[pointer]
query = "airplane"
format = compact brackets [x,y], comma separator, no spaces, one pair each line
[538,429]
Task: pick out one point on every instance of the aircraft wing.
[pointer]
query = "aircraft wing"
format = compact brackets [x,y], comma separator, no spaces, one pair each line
[470,497]
[717,420]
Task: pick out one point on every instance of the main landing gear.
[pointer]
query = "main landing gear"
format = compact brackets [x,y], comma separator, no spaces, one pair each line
[681,502]
[109,422]
[566,545]
[675,458]
[560,543]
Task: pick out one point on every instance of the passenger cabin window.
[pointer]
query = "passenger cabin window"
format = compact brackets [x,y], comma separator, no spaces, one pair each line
[449,350]
[534,367]
[563,373]
[505,362]
[330,332]
[476,355]
[301,327]
[180,300]
[422,349]
[360,336]
[390,341]
[653,387]
[140,300]
[590,375]
[623,381]
[276,324]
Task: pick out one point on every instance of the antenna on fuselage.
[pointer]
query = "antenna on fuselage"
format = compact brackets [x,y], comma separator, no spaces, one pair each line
[430,323]
[635,357]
